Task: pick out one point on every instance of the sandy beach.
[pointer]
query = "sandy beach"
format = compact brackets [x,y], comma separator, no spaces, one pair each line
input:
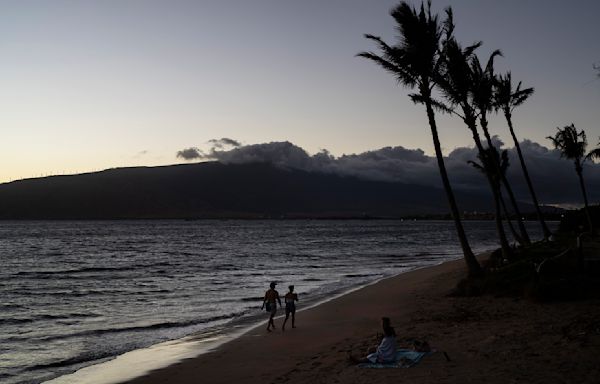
[496,340]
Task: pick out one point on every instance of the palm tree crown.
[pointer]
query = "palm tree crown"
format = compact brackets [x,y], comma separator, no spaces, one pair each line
[456,78]
[415,60]
[507,98]
[489,158]
[571,144]
[484,81]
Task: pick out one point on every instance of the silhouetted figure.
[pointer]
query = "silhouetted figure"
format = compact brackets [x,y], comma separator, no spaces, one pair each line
[290,307]
[385,352]
[270,301]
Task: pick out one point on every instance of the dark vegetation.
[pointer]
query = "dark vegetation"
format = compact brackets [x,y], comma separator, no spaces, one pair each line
[566,268]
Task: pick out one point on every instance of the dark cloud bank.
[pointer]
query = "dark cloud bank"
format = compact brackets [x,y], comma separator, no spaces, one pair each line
[554,178]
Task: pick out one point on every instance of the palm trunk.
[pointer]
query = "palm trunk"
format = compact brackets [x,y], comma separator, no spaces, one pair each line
[473,266]
[579,171]
[511,196]
[506,251]
[504,181]
[538,211]
[509,222]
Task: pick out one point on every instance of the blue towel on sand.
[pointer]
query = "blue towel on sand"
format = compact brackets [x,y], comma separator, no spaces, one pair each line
[405,358]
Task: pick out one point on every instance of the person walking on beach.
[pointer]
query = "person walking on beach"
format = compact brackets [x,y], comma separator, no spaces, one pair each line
[271,296]
[290,307]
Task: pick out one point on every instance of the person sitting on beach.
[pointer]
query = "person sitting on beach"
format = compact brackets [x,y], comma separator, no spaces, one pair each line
[269,301]
[385,352]
[290,307]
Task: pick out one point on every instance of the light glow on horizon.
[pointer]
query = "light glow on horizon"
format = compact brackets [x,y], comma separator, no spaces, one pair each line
[88,86]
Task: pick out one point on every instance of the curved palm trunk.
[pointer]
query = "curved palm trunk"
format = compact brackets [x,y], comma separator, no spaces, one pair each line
[504,181]
[494,186]
[524,235]
[538,211]
[473,266]
[506,251]
[579,171]
[509,222]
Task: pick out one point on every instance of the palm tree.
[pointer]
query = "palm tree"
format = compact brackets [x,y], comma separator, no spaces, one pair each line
[507,99]
[572,146]
[483,98]
[456,84]
[415,62]
[594,153]
[486,167]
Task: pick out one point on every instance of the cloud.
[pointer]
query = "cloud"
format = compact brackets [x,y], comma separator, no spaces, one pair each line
[191,153]
[554,178]
[224,142]
[141,154]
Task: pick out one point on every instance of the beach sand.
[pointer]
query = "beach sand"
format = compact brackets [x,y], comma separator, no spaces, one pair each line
[489,340]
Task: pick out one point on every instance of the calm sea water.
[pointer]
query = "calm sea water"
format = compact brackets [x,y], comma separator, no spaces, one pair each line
[74,294]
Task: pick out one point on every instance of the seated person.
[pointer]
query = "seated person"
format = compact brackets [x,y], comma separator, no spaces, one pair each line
[385,352]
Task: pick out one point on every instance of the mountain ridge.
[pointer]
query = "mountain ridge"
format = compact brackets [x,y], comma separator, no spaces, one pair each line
[217,190]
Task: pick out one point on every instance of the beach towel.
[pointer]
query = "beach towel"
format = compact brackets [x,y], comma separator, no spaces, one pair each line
[405,358]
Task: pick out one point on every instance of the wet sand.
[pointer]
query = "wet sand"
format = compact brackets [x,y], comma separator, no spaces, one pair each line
[491,340]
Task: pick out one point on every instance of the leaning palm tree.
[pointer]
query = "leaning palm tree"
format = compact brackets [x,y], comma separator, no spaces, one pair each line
[507,99]
[415,62]
[483,80]
[572,146]
[456,85]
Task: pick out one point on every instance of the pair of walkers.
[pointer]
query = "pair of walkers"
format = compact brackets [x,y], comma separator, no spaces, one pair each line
[270,303]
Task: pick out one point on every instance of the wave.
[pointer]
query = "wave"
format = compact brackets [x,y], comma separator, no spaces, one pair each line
[14,321]
[140,328]
[25,320]
[356,275]
[72,360]
[251,299]
[54,273]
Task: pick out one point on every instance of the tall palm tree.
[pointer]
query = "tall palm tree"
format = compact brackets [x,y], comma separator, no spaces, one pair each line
[572,146]
[507,99]
[415,62]
[483,98]
[456,84]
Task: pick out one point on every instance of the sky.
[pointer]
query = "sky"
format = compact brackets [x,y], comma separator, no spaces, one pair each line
[90,85]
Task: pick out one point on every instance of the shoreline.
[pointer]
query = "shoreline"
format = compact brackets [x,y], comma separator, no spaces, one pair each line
[488,339]
[209,364]
[496,340]
[170,353]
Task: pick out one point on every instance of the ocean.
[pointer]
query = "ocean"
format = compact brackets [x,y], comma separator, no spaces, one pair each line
[78,293]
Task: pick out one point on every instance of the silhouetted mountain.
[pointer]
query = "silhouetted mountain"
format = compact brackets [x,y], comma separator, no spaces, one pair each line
[217,190]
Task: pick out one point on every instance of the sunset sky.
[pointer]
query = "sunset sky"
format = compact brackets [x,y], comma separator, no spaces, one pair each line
[90,85]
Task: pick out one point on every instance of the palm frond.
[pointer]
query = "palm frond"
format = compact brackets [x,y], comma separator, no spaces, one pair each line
[403,77]
[440,106]
[594,154]
[570,142]
[477,166]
